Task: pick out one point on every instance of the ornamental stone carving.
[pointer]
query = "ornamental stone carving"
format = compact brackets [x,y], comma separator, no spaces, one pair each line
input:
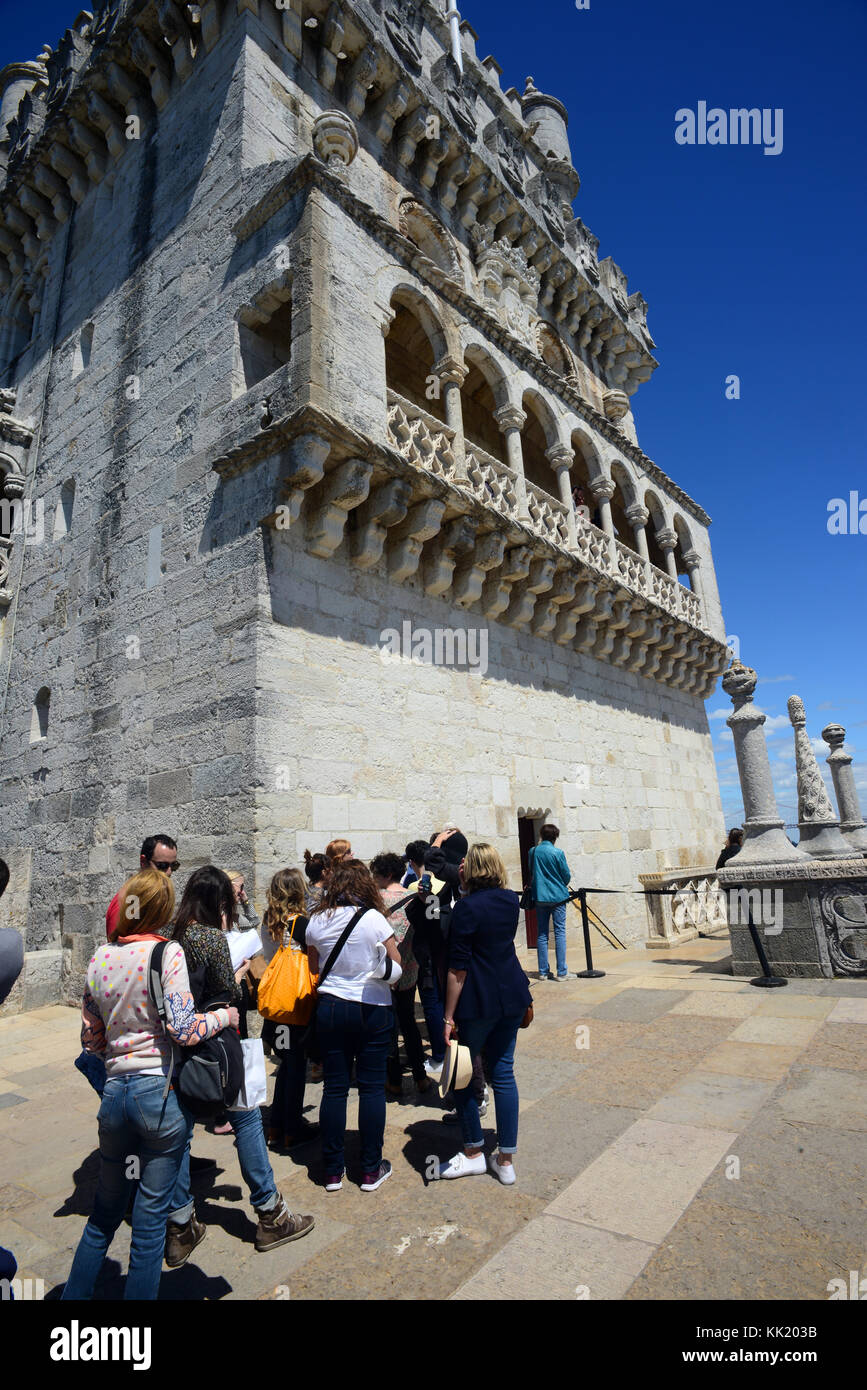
[616,405]
[820,829]
[510,285]
[403,25]
[335,140]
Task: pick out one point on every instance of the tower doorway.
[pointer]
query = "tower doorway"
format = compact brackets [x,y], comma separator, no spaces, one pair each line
[528,835]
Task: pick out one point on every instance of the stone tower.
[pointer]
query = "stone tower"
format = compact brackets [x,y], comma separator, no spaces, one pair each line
[302,346]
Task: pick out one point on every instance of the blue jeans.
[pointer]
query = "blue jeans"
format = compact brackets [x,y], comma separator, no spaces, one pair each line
[255,1168]
[287,1107]
[497,1036]
[432,1004]
[133,1120]
[543,912]
[347,1031]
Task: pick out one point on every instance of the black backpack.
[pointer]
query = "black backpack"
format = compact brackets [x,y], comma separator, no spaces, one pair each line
[208,1076]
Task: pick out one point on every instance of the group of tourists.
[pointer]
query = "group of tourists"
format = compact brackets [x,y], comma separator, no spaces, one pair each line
[438,920]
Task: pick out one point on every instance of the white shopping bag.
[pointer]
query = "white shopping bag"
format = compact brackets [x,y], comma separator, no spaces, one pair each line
[254,1091]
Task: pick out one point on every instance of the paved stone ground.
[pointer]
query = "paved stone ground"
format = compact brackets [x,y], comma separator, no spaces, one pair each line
[625,1149]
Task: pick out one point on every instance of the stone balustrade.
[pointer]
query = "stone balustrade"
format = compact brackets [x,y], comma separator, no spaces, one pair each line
[420,438]
[549,518]
[631,568]
[492,481]
[696,907]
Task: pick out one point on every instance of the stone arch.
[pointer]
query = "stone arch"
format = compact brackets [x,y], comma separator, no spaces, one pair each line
[622,499]
[657,521]
[541,432]
[426,232]
[586,468]
[415,341]
[684,545]
[484,391]
[553,352]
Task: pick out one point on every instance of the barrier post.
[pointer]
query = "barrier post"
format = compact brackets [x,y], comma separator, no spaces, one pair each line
[589,973]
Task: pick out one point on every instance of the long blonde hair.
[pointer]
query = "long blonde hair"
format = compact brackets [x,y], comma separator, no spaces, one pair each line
[285,901]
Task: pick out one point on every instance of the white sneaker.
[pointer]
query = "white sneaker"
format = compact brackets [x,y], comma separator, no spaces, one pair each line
[504,1171]
[460,1166]
[433,1069]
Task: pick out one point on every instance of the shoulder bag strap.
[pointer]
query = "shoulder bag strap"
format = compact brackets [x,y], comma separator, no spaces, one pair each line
[344,937]
[402,902]
[155,989]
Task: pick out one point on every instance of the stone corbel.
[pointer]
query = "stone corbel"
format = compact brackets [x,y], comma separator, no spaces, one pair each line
[71,169]
[409,134]
[471,573]
[110,122]
[649,638]
[151,63]
[676,653]
[617,622]
[557,276]
[544,257]
[55,189]
[90,146]
[577,308]
[452,178]
[523,604]
[494,211]
[512,229]
[423,522]
[435,151]
[10,247]
[635,628]
[343,490]
[589,322]
[590,626]
[40,210]
[585,600]
[438,567]
[471,195]
[658,655]
[388,109]
[303,468]
[546,614]
[21,226]
[498,589]
[332,41]
[175,28]
[385,507]
[360,79]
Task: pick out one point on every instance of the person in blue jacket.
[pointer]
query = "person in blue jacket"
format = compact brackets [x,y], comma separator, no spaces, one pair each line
[487,996]
[549,882]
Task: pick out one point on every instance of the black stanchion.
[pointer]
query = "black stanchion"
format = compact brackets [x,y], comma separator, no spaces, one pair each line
[589,973]
[766,980]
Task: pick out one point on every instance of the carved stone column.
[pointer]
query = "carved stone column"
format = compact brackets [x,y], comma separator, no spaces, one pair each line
[452,373]
[667,539]
[764,838]
[511,420]
[603,490]
[561,457]
[853,827]
[638,517]
[820,829]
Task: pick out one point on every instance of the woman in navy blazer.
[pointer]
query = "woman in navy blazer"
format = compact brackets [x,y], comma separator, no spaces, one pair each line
[487,996]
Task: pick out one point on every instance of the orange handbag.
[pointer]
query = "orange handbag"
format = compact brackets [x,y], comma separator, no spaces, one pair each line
[286,990]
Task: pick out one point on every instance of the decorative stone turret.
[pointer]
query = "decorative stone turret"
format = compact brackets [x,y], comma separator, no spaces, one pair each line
[853,827]
[820,829]
[765,840]
[335,140]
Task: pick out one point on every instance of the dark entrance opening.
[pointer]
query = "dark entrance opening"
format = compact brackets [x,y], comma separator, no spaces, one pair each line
[526,841]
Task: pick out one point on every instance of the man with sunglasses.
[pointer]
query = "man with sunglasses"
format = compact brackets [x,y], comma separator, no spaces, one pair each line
[157,852]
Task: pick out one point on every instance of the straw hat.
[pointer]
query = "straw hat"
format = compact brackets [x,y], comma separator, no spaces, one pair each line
[457,1068]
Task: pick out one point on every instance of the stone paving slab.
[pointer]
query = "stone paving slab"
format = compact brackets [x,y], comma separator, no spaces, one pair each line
[839,1045]
[762,1060]
[638,1005]
[711,1100]
[787,1032]
[557,1259]
[715,1004]
[849,1011]
[826,1097]
[641,1184]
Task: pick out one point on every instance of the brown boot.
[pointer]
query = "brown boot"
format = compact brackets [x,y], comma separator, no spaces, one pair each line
[278,1226]
[181,1241]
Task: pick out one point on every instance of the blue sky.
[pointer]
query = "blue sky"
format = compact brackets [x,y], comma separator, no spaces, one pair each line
[752,265]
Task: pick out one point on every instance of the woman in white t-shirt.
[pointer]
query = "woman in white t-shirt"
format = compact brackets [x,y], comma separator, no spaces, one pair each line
[354,1016]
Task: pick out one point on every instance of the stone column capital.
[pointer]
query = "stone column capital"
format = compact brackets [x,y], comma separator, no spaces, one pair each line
[560,456]
[691,559]
[510,417]
[637,515]
[666,538]
[603,489]
[450,369]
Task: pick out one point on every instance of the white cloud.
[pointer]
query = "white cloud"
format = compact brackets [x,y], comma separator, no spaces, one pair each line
[719,713]
[773,680]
